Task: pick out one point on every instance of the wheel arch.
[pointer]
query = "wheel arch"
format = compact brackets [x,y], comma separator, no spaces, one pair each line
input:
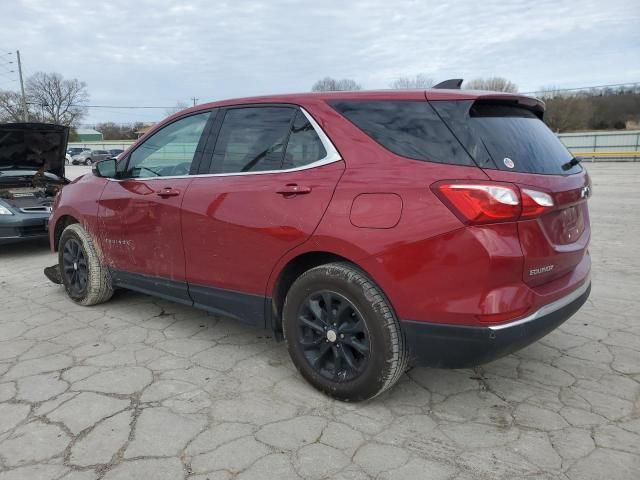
[63,222]
[295,267]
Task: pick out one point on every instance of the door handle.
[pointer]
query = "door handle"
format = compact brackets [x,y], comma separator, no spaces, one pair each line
[168,192]
[291,189]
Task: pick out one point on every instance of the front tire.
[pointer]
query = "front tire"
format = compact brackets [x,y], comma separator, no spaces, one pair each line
[342,333]
[86,281]
[88,162]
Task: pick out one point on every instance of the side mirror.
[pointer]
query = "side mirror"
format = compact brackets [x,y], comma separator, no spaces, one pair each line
[105,168]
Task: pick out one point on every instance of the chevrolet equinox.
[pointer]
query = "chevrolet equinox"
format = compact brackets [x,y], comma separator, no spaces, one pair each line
[371,230]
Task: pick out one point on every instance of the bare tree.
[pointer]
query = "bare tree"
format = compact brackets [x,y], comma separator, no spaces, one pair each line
[180,105]
[495,84]
[59,100]
[11,107]
[419,81]
[328,84]
[566,111]
[113,131]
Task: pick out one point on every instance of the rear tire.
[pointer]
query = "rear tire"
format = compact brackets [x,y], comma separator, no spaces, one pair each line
[86,281]
[342,333]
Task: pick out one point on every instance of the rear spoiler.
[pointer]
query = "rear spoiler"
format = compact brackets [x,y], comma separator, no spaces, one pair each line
[535,105]
[532,104]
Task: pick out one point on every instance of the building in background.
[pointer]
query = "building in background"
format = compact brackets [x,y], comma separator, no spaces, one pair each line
[88,135]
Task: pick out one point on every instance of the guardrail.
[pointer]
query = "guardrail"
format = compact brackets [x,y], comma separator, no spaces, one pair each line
[629,156]
[604,146]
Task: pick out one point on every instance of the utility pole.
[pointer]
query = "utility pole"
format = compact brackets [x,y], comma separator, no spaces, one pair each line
[25,113]
[195,100]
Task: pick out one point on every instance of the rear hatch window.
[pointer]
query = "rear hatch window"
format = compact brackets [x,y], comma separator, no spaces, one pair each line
[507,137]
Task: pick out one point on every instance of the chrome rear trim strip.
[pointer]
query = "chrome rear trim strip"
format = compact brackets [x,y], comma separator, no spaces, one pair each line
[547,309]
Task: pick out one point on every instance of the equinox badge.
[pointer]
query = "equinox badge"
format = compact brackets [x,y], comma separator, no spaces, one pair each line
[538,271]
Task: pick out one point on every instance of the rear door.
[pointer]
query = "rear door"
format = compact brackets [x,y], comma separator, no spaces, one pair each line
[512,144]
[270,176]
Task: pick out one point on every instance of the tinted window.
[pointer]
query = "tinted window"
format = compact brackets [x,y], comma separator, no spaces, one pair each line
[170,150]
[411,129]
[304,146]
[516,136]
[252,139]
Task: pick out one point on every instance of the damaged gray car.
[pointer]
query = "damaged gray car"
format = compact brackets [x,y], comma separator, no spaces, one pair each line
[32,159]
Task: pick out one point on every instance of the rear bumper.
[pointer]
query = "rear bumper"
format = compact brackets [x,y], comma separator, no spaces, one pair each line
[458,346]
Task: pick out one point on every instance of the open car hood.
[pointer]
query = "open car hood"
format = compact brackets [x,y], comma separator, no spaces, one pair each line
[37,146]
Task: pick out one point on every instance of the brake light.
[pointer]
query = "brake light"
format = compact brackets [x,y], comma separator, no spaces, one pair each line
[479,203]
[535,203]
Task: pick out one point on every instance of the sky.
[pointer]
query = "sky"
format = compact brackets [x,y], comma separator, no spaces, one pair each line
[160,52]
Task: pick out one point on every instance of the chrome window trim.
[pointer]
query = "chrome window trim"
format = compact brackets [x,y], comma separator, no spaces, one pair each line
[547,309]
[331,157]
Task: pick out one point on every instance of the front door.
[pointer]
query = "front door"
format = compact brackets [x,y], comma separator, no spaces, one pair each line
[139,217]
[272,178]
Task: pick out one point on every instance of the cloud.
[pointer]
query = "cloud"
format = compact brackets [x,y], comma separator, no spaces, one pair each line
[158,52]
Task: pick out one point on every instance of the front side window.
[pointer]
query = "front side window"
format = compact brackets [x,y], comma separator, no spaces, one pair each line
[170,151]
[304,146]
[252,139]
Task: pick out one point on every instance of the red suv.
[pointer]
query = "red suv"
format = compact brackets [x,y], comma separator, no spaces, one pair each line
[373,230]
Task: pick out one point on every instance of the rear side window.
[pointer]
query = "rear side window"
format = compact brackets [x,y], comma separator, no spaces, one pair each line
[304,145]
[518,141]
[411,129]
[252,139]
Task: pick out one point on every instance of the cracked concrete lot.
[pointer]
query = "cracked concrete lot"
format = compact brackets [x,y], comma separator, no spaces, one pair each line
[144,389]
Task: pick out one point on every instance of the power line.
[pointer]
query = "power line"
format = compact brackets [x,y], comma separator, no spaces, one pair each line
[158,107]
[610,85]
[121,106]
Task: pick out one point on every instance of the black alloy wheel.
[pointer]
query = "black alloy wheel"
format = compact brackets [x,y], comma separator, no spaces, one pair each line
[333,336]
[342,333]
[74,265]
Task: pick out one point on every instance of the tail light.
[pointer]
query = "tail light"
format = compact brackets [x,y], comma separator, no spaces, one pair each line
[534,203]
[491,202]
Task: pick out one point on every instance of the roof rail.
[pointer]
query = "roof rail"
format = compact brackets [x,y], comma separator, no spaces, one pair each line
[453,83]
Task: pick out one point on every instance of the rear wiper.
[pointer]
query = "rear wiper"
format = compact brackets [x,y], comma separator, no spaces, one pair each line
[571,163]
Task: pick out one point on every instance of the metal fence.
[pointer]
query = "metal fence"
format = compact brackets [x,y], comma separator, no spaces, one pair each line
[103,145]
[591,146]
[604,146]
